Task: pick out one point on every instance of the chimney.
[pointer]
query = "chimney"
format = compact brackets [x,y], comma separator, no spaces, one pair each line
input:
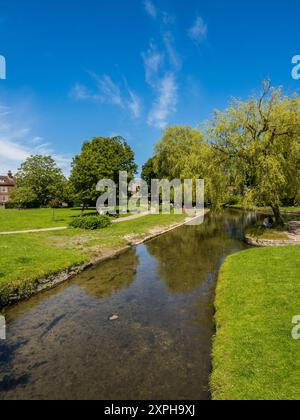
[10,175]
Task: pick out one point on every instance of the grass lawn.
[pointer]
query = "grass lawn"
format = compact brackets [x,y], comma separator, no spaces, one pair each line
[11,220]
[26,258]
[254,355]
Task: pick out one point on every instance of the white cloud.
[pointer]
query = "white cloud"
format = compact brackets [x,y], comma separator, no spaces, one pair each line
[109,92]
[198,31]
[81,93]
[166,102]
[17,143]
[134,104]
[153,62]
[160,72]
[150,8]
[174,58]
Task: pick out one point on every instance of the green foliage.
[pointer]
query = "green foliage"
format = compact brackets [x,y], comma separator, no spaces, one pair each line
[101,158]
[183,153]
[90,222]
[148,171]
[234,200]
[25,197]
[40,177]
[9,205]
[260,142]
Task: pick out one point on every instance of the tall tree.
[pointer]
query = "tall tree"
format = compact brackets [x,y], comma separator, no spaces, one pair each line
[184,153]
[101,158]
[260,141]
[148,171]
[41,176]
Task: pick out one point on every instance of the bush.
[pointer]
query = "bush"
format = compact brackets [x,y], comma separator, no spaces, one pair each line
[10,205]
[91,222]
[234,200]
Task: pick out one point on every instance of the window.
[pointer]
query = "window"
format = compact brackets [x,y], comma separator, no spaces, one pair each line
[4,189]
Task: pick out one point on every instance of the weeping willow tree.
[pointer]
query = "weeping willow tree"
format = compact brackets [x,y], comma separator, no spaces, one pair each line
[184,153]
[259,140]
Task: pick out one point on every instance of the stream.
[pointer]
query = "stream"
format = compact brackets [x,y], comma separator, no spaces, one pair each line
[62,344]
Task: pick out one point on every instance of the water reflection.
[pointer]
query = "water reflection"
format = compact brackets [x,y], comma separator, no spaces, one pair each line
[187,257]
[111,276]
[61,344]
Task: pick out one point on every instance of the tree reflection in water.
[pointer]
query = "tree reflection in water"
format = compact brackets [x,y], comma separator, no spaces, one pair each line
[186,257]
[110,276]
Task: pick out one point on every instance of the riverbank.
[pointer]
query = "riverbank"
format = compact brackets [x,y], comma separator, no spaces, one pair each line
[267,210]
[33,263]
[254,355]
[259,236]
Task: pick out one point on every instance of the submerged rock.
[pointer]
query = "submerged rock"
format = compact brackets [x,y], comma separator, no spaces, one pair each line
[114,317]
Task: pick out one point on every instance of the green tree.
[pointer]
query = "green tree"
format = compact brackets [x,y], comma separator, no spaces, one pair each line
[24,197]
[260,141]
[41,175]
[148,172]
[101,158]
[184,153]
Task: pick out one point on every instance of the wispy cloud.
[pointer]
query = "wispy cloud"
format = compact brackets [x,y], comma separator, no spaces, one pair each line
[174,57]
[150,8]
[162,65]
[165,104]
[198,32]
[106,91]
[81,93]
[153,62]
[17,142]
[160,72]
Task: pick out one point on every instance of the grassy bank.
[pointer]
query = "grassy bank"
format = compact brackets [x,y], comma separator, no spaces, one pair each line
[254,355]
[284,210]
[11,220]
[26,258]
[262,233]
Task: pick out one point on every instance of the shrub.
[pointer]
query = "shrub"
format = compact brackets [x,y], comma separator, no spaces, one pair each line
[234,200]
[10,205]
[91,222]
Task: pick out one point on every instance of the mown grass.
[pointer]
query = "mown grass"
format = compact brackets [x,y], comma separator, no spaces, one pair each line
[254,355]
[11,220]
[26,258]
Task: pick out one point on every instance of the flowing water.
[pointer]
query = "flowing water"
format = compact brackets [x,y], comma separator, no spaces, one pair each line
[62,344]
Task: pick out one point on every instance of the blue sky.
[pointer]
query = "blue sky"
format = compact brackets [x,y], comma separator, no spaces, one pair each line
[78,69]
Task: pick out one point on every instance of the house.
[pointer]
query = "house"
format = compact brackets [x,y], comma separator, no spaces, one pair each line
[135,188]
[7,184]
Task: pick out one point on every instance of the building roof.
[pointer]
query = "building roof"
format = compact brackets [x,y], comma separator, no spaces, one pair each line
[6,181]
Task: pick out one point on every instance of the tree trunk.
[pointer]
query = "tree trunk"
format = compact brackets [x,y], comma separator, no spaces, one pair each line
[277,213]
